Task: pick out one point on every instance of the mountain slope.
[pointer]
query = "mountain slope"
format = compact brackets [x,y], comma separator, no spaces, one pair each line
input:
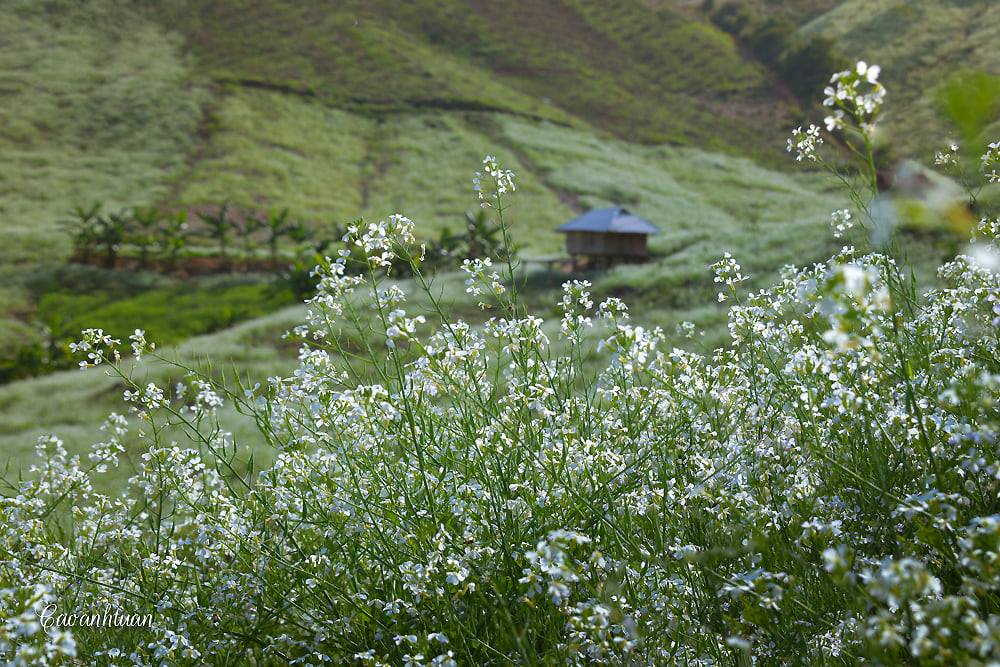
[921,46]
[642,73]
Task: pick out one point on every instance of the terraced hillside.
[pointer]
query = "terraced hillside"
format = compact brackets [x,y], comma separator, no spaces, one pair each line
[641,73]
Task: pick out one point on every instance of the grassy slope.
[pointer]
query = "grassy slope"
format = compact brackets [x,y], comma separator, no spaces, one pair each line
[919,46]
[98,105]
[640,72]
[328,165]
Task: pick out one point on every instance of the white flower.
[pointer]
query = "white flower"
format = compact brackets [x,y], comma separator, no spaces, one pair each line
[841,222]
[139,344]
[501,181]
[947,157]
[728,272]
[479,282]
[854,94]
[804,143]
[991,162]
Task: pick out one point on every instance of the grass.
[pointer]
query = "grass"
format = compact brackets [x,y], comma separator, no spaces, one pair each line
[74,403]
[654,76]
[98,105]
[269,150]
[326,165]
[426,173]
[168,314]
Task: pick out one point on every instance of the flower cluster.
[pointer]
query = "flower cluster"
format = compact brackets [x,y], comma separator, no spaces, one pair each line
[856,94]
[947,157]
[991,162]
[728,272]
[804,143]
[98,347]
[841,221]
[482,279]
[576,304]
[381,242]
[498,182]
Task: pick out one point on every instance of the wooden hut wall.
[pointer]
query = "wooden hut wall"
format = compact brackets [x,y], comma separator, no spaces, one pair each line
[597,244]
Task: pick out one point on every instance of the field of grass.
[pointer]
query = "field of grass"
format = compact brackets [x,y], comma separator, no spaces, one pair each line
[73,403]
[330,166]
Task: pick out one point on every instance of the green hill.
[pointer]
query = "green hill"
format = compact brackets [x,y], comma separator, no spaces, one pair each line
[922,47]
[333,111]
[337,110]
[642,73]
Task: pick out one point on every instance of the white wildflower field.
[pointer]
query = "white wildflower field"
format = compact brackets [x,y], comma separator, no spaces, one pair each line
[823,490]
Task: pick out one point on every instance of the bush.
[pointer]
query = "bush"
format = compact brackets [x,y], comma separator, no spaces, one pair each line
[822,490]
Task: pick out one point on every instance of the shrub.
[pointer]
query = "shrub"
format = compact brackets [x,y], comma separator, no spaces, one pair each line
[109,232]
[824,489]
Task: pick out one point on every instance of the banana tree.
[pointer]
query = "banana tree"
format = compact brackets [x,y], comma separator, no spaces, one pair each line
[145,225]
[483,238]
[251,225]
[83,226]
[218,228]
[278,225]
[298,232]
[109,232]
[172,236]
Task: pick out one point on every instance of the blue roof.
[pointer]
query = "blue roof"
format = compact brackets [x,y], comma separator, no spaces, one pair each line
[615,220]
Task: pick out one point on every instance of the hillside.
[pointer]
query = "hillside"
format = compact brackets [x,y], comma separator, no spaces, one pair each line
[926,49]
[333,112]
[366,108]
[641,73]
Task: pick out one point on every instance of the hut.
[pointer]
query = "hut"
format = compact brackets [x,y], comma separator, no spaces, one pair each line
[607,233]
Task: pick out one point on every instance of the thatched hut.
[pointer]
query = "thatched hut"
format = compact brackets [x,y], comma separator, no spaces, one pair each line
[608,233]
